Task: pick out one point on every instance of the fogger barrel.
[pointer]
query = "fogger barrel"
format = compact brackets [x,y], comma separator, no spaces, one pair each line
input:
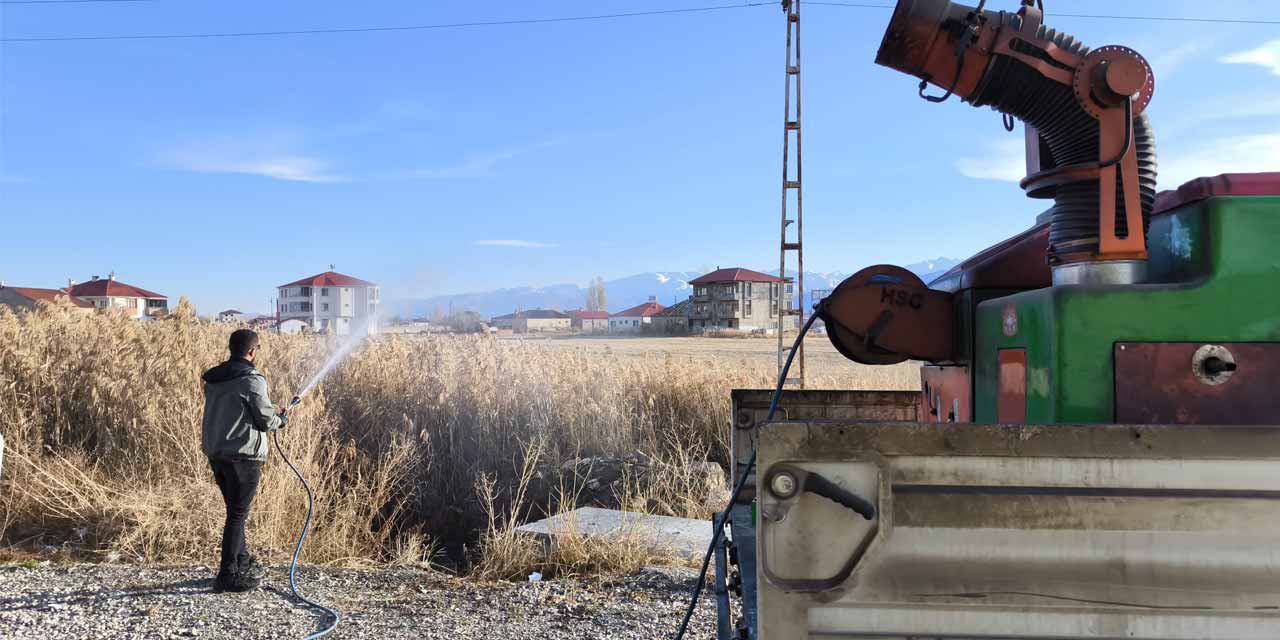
[1089,145]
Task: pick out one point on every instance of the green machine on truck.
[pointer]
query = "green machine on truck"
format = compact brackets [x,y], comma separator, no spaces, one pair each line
[1094,452]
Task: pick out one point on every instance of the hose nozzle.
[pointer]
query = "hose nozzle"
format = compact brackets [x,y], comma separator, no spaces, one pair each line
[294,402]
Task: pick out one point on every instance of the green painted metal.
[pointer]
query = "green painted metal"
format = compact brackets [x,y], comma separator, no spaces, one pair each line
[1215,273]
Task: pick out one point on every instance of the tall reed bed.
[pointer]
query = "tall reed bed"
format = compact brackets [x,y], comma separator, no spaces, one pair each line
[410,444]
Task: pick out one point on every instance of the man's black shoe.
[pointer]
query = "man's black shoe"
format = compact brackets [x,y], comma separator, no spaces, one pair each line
[235,582]
[253,569]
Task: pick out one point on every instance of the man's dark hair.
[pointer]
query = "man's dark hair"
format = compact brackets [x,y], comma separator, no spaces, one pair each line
[242,342]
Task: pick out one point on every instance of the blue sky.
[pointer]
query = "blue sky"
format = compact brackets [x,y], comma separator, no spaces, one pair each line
[453,160]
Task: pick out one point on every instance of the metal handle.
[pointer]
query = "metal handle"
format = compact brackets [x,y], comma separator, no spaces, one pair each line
[816,484]
[786,482]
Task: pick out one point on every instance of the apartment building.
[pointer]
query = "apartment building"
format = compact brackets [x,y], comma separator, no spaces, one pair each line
[738,299]
[330,303]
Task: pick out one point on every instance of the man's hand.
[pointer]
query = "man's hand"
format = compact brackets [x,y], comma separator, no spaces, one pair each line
[284,418]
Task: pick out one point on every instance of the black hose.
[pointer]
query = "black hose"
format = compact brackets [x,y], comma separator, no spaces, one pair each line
[306,525]
[718,527]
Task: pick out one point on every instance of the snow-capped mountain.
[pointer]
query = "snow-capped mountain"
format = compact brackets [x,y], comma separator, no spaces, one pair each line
[668,287]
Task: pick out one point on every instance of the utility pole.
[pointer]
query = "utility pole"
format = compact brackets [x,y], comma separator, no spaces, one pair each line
[791,183]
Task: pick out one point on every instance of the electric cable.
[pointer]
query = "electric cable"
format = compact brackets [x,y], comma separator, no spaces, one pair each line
[1089,16]
[495,23]
[293,564]
[718,528]
[66,1]
[424,27]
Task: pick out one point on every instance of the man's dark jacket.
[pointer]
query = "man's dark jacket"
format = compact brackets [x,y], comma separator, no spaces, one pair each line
[237,412]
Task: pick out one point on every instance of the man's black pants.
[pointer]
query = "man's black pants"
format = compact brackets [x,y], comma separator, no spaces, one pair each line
[238,481]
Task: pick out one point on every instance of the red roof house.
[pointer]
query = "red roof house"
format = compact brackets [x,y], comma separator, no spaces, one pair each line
[735,274]
[645,310]
[110,288]
[589,321]
[109,293]
[330,279]
[636,319]
[29,297]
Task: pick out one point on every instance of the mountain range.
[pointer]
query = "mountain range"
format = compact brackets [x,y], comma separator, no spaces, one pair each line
[668,287]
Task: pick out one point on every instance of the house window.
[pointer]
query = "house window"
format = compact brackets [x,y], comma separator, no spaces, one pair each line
[773,309]
[324,291]
[746,306]
[157,304]
[304,291]
[700,291]
[748,287]
[324,306]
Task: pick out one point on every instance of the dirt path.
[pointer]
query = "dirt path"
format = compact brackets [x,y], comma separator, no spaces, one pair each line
[124,601]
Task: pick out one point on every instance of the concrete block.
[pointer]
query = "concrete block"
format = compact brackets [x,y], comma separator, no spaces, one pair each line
[680,536]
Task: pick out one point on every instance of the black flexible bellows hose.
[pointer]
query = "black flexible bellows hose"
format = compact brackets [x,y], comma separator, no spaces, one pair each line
[1072,137]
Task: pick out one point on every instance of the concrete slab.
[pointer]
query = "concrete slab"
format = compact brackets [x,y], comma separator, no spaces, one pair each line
[682,536]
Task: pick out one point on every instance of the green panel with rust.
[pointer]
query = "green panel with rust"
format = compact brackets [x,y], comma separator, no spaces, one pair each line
[1217,270]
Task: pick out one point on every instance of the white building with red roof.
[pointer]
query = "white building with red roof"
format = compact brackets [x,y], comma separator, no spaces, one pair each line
[331,303]
[635,319]
[109,293]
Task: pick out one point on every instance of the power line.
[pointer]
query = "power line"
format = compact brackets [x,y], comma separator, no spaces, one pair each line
[1055,14]
[64,1]
[452,25]
[495,23]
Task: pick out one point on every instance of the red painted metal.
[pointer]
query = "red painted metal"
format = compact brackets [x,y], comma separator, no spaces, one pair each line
[1017,263]
[946,394]
[1011,404]
[1227,184]
[1159,383]
[885,314]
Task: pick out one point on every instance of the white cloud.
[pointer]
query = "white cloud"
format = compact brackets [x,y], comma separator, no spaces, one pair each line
[1005,161]
[480,164]
[1267,55]
[267,156]
[1240,154]
[525,244]
[1167,62]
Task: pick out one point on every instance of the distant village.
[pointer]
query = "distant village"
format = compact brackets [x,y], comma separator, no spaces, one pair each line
[732,300]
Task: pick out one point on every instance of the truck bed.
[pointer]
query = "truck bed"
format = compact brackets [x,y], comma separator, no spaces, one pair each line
[1022,531]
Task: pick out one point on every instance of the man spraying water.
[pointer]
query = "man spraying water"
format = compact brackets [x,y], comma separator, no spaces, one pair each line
[237,417]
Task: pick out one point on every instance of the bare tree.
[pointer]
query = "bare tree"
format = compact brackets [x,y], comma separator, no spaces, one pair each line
[593,297]
[602,299]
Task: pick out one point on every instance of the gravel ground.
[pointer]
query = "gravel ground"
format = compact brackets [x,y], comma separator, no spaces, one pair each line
[124,601]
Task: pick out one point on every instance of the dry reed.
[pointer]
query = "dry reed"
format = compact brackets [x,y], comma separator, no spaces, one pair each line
[412,444]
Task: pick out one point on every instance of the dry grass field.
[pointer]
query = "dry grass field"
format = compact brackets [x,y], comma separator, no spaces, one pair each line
[414,445]
[824,366]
